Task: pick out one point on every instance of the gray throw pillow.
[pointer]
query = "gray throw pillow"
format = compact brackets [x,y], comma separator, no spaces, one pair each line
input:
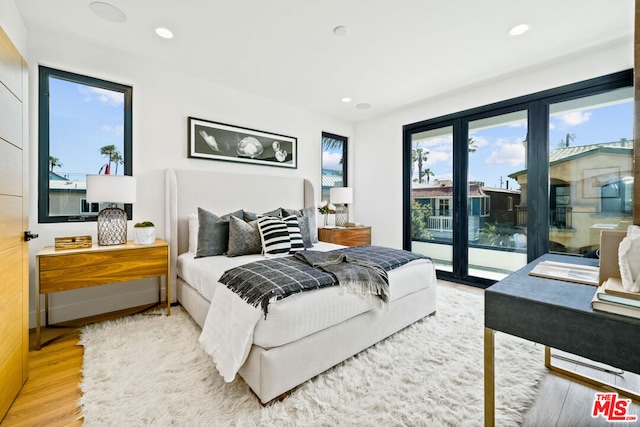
[244,237]
[213,233]
[307,222]
[305,232]
[252,216]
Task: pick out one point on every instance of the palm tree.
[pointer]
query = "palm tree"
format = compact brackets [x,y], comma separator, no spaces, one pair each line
[118,160]
[472,145]
[113,155]
[54,162]
[426,173]
[420,156]
[332,144]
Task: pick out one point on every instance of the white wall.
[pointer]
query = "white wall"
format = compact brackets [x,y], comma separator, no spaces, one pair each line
[378,147]
[162,101]
[12,24]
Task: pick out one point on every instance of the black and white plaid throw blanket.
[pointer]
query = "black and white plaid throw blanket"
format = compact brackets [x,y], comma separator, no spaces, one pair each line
[260,282]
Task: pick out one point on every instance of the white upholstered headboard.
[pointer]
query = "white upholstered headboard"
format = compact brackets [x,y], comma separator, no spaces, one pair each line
[221,193]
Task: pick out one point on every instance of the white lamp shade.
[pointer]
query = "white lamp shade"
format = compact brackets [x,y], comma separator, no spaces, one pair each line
[111,189]
[341,195]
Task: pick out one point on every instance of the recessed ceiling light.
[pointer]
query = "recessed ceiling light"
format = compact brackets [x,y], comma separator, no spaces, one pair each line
[345,99]
[519,29]
[363,106]
[108,12]
[341,30]
[164,33]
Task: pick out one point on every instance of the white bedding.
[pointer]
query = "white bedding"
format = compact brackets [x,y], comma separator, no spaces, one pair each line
[232,326]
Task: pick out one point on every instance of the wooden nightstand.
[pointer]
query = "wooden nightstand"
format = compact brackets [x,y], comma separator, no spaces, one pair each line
[351,236]
[58,271]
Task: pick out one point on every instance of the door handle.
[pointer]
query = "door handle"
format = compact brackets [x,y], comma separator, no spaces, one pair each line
[28,235]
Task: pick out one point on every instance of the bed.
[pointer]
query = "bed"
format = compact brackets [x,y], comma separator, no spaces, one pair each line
[304,334]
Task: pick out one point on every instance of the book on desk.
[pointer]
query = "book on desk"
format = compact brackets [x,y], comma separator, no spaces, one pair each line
[613,298]
[568,272]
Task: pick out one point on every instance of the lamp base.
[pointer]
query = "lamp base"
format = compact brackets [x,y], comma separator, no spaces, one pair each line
[112,227]
[342,215]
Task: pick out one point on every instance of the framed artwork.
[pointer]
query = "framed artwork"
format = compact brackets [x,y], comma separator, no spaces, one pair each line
[219,141]
[595,179]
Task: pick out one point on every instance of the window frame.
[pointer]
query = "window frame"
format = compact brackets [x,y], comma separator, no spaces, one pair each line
[345,145]
[44,73]
[537,106]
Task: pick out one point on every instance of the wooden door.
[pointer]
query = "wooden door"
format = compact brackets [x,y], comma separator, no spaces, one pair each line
[14,251]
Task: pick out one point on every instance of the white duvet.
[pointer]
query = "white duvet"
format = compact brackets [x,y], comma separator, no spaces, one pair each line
[232,326]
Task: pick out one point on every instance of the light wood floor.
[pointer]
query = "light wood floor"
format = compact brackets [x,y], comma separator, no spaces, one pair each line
[50,395]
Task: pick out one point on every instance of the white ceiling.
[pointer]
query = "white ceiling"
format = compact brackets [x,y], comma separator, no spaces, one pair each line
[397,52]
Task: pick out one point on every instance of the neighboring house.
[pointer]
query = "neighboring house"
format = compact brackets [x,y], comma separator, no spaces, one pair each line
[590,189]
[330,178]
[487,205]
[68,197]
[503,203]
[440,197]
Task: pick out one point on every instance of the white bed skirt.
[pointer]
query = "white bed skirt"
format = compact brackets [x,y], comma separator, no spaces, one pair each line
[273,372]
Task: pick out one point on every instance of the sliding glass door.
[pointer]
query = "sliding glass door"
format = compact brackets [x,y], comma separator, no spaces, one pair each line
[497,150]
[590,169]
[488,190]
[432,195]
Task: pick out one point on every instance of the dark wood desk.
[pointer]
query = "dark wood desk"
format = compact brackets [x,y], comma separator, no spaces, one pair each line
[556,314]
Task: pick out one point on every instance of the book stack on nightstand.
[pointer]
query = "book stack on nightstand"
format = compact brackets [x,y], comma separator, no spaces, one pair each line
[346,236]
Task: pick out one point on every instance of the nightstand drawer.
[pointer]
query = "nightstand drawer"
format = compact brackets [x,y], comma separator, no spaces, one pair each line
[72,271]
[354,236]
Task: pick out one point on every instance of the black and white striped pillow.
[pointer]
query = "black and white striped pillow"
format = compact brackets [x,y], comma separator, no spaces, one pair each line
[295,234]
[280,236]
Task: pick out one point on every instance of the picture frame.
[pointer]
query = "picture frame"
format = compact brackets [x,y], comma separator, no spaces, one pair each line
[595,179]
[220,141]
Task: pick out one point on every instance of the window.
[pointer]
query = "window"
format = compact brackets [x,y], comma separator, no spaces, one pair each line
[540,173]
[443,207]
[590,164]
[84,128]
[334,162]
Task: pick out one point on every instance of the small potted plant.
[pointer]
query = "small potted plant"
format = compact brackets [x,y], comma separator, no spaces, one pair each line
[325,209]
[144,233]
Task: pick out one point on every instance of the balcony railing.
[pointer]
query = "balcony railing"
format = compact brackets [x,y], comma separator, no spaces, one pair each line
[440,223]
[561,217]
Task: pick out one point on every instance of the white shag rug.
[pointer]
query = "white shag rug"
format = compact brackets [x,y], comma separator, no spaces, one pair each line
[150,371]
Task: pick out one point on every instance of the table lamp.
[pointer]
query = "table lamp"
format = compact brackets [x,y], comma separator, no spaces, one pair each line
[112,221]
[341,197]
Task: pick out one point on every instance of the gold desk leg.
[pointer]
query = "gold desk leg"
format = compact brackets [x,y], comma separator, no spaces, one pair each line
[489,379]
[586,378]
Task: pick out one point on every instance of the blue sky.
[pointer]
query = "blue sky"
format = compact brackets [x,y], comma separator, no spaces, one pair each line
[500,150]
[84,119]
[331,159]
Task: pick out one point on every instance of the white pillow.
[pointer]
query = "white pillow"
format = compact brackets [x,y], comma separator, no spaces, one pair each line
[193,233]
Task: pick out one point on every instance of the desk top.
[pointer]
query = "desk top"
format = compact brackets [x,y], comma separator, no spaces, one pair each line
[548,291]
[51,250]
[559,314]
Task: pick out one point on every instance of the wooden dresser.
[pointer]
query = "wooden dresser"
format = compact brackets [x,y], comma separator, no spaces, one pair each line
[351,236]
